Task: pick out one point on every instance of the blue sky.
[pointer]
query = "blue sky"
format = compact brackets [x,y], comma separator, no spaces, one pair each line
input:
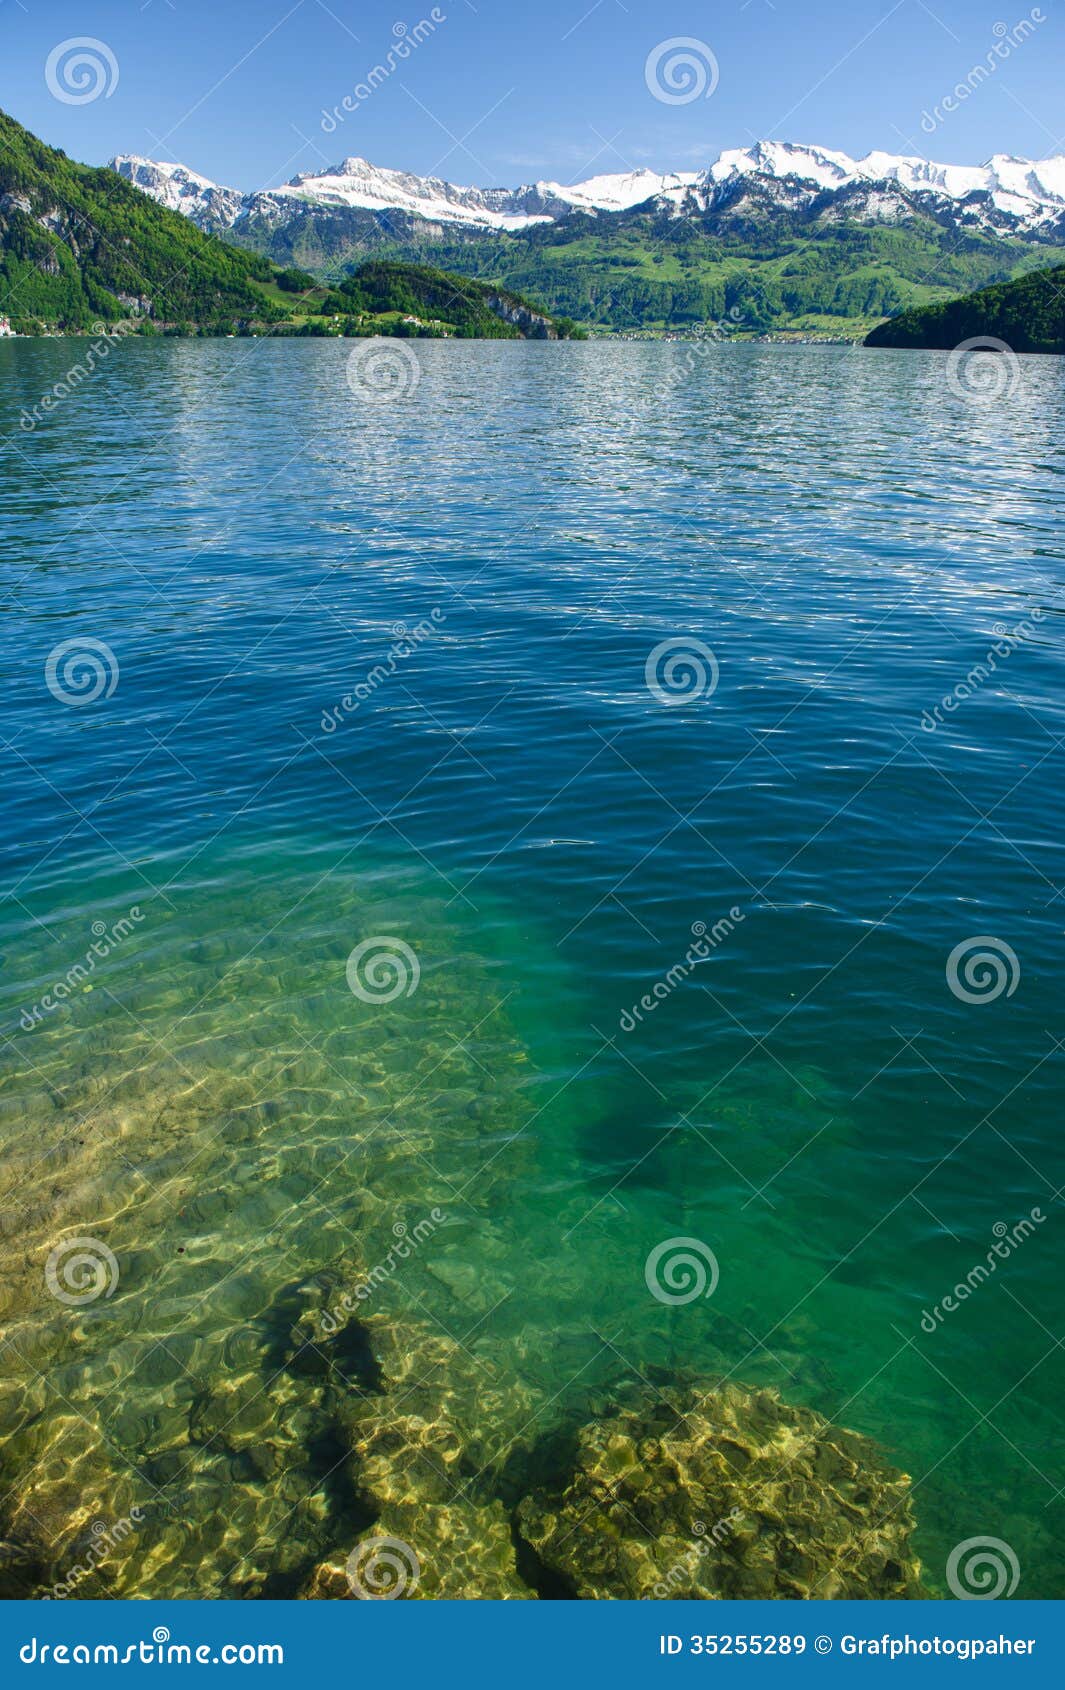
[500,92]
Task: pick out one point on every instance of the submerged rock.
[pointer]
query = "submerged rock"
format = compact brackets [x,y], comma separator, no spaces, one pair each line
[454,1551]
[18,1571]
[726,1494]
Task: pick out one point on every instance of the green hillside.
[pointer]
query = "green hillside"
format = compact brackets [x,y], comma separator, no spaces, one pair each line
[836,279]
[410,301]
[427,301]
[80,246]
[1027,314]
[761,267]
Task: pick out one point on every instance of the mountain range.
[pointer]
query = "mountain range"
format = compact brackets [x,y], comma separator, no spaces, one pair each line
[79,246]
[773,237]
[83,250]
[1005,193]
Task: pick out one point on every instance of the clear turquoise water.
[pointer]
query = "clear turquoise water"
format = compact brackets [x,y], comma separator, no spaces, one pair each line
[813,1102]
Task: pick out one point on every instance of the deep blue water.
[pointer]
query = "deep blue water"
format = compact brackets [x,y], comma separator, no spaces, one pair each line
[849,537]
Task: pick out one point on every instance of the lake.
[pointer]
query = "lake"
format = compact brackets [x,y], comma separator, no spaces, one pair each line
[468,838]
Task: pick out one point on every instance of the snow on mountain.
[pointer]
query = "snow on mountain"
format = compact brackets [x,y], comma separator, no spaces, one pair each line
[617,193]
[782,158]
[1017,186]
[1030,193]
[358,184]
[181,189]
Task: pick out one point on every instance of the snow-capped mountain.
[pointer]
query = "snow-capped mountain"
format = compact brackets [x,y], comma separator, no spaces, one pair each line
[184,190]
[1006,192]
[1019,188]
[618,193]
[355,184]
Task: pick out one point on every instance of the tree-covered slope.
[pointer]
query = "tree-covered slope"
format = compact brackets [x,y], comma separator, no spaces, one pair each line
[80,246]
[1028,315]
[425,298]
[759,261]
[790,273]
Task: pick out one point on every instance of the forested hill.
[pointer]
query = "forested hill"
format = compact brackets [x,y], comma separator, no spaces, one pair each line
[754,264]
[80,246]
[425,299]
[1027,315]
